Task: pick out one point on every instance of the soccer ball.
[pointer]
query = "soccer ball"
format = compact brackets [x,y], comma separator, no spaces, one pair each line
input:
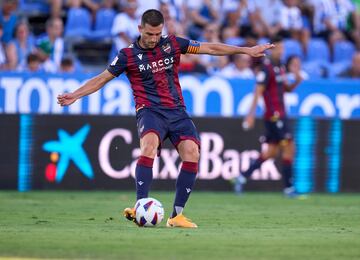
[149,212]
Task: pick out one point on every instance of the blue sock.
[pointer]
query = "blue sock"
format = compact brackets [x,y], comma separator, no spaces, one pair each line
[253,166]
[287,173]
[144,175]
[184,185]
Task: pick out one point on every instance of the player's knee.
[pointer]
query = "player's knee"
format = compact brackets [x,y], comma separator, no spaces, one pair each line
[149,149]
[192,153]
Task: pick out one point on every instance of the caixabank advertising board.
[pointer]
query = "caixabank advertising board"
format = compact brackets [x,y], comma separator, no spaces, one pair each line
[100,152]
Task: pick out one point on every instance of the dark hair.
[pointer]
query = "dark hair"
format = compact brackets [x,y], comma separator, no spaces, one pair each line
[67,61]
[152,17]
[289,60]
[32,57]
[276,38]
[50,22]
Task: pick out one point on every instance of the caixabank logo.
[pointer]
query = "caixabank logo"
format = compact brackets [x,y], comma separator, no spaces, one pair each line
[66,149]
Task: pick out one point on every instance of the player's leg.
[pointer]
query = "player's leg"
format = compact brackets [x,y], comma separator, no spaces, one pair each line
[189,154]
[151,130]
[270,152]
[288,151]
[272,139]
[149,144]
[184,136]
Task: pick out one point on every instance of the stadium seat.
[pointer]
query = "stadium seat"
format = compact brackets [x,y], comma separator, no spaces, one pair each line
[34,6]
[103,24]
[78,23]
[292,47]
[318,50]
[235,41]
[343,50]
[317,69]
[337,68]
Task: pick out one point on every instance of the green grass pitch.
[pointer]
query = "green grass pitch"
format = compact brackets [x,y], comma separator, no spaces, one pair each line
[89,225]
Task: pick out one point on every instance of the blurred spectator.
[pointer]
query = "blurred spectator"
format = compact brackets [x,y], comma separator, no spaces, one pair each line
[265,16]
[165,10]
[33,63]
[177,9]
[237,20]
[8,19]
[294,67]
[50,47]
[336,20]
[2,52]
[67,65]
[144,5]
[56,7]
[202,12]
[19,48]
[188,63]
[92,5]
[212,63]
[172,27]
[125,26]
[239,68]
[354,70]
[291,23]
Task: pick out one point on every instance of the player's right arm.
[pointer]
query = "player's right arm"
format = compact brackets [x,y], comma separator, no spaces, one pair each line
[117,67]
[89,87]
[250,118]
[261,82]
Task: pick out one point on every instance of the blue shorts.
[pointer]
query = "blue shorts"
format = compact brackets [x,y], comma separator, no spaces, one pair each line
[277,131]
[174,124]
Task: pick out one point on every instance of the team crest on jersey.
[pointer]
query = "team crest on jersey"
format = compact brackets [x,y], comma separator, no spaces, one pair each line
[166,48]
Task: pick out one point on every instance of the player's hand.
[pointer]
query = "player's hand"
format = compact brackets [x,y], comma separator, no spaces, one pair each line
[259,50]
[66,99]
[248,123]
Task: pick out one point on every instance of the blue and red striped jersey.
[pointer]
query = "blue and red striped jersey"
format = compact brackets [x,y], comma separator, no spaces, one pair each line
[153,73]
[273,78]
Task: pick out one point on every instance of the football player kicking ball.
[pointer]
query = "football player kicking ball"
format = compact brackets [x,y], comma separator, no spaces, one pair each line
[271,84]
[151,65]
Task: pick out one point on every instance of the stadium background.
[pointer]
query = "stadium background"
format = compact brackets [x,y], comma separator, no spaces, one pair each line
[66,173]
[324,110]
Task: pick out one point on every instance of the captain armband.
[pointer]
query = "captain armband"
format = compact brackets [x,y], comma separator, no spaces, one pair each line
[194,47]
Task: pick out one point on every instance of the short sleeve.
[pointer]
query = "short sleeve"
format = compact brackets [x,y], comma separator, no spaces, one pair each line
[118,65]
[262,76]
[188,46]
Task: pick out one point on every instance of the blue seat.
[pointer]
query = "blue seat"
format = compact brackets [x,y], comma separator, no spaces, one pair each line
[318,50]
[292,47]
[34,6]
[103,23]
[78,24]
[235,41]
[337,68]
[343,50]
[317,69]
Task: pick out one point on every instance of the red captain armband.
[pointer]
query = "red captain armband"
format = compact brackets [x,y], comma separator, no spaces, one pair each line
[194,47]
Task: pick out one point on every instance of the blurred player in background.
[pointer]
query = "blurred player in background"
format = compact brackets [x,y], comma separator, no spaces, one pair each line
[151,65]
[271,84]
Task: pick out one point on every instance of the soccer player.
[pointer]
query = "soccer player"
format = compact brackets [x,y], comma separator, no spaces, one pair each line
[271,84]
[151,65]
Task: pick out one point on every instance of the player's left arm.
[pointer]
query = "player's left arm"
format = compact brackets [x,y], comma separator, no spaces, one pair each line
[219,49]
[290,87]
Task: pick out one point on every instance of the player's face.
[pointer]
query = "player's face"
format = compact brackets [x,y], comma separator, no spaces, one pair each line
[150,35]
[277,51]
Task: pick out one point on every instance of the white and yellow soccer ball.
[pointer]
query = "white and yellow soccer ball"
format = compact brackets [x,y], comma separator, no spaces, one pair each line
[149,212]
